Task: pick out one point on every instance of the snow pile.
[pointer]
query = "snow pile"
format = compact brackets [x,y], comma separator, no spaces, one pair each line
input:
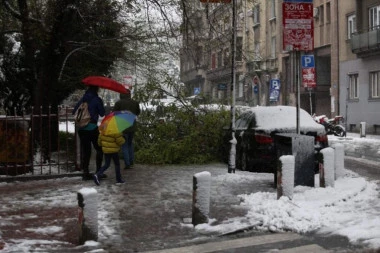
[342,210]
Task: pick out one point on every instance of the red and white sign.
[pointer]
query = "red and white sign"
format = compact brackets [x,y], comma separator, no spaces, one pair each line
[216,1]
[298,26]
[308,77]
[128,82]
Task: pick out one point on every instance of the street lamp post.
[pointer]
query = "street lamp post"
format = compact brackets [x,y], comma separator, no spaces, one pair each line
[232,155]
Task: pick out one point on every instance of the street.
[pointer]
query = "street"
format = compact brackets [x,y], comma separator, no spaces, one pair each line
[366,168]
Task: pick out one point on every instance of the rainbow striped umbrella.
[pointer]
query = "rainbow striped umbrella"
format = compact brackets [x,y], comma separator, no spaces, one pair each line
[117,122]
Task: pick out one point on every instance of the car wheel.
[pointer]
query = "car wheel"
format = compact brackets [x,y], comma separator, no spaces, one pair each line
[243,161]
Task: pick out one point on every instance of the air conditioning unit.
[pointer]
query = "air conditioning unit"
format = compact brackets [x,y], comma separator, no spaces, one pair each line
[316,12]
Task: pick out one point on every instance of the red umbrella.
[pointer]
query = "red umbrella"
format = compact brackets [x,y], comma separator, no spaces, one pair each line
[106,83]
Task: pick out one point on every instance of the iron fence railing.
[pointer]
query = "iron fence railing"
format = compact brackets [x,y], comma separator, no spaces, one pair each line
[39,144]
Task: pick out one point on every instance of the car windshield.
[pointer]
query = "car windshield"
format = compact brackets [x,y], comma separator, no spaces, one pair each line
[245,120]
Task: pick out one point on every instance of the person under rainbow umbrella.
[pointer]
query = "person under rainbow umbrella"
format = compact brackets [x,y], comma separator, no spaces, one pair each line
[117,122]
[111,139]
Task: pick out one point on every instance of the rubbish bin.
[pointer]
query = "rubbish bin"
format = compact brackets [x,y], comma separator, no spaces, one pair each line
[362,129]
[302,148]
[15,151]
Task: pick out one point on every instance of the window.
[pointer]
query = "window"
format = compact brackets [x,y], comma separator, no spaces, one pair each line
[257,55]
[351,25]
[273,9]
[239,49]
[328,13]
[374,82]
[213,61]
[226,57]
[353,86]
[321,15]
[273,47]
[374,17]
[227,22]
[256,15]
[220,59]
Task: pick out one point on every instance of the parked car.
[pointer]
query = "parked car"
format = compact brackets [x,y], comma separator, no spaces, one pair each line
[255,129]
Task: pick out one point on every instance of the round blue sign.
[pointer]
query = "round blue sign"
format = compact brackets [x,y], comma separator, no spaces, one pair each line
[256,89]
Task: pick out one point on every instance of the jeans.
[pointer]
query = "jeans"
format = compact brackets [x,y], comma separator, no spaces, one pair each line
[127,149]
[88,137]
[107,158]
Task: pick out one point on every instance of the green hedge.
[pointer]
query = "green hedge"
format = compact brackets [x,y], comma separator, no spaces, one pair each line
[182,135]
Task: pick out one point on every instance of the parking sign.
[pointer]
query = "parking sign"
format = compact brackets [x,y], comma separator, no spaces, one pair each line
[308,71]
[307,61]
[274,90]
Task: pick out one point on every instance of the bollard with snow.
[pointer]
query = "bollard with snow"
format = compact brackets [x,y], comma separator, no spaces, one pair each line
[362,129]
[285,176]
[201,197]
[327,168]
[232,155]
[339,160]
[87,215]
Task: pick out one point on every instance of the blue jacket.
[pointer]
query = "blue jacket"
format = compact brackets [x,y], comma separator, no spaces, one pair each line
[95,105]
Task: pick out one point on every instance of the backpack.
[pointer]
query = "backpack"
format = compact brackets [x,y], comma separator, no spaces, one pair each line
[82,115]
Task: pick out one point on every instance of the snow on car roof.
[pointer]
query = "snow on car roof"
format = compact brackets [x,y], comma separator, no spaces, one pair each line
[270,118]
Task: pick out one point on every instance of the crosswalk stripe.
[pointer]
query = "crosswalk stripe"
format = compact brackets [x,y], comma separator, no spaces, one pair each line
[312,248]
[232,244]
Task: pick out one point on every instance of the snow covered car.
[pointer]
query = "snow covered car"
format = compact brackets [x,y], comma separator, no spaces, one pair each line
[255,129]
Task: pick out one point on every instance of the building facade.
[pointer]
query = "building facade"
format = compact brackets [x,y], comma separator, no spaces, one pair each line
[206,55]
[360,64]
[346,53]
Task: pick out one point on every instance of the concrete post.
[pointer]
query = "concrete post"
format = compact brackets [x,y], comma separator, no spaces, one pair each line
[362,129]
[87,215]
[339,160]
[285,176]
[201,197]
[327,168]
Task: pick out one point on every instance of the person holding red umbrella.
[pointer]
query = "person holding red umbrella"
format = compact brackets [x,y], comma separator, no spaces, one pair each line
[89,134]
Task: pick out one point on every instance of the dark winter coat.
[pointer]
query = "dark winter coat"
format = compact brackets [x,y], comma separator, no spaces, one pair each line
[126,103]
[95,105]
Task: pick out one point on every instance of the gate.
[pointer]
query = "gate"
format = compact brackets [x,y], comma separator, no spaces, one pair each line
[39,144]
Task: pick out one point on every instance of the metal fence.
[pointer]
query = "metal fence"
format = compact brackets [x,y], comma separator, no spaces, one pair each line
[38,144]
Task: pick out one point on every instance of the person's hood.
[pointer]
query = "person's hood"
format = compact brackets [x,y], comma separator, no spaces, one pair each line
[89,96]
[125,96]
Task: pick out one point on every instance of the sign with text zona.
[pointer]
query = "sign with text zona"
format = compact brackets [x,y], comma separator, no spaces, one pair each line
[216,1]
[298,26]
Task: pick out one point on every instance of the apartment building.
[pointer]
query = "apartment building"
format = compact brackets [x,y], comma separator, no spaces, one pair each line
[359,68]
[206,62]
[346,51]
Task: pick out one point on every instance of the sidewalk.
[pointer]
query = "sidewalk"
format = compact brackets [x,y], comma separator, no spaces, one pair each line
[147,213]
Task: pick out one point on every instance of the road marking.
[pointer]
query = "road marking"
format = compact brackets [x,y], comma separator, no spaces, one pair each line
[232,244]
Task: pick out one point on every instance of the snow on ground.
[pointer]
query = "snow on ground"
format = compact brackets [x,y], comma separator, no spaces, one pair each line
[351,208]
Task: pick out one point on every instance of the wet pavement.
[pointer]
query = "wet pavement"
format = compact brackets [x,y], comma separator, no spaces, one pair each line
[150,212]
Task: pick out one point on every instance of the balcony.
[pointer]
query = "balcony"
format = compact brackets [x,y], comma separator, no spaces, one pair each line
[366,43]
